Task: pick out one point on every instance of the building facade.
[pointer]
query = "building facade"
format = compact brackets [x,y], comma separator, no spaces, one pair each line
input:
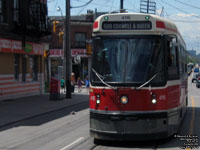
[22,24]
[80,37]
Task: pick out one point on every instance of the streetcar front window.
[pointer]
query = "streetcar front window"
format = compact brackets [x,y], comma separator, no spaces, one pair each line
[131,59]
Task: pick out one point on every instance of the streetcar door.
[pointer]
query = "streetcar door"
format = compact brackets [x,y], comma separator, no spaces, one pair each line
[173,76]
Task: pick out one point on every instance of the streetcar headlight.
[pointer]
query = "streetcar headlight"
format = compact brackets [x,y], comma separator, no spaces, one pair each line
[124,99]
[98,101]
[153,100]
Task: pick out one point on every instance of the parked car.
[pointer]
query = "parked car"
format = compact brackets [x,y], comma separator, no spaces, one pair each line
[195,74]
[198,81]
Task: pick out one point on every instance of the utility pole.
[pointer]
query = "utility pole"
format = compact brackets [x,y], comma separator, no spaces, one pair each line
[148,6]
[67,50]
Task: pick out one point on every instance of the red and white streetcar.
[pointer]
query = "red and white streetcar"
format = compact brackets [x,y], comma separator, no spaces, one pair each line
[138,78]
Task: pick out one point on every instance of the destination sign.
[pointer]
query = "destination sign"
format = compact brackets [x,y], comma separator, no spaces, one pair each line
[127,25]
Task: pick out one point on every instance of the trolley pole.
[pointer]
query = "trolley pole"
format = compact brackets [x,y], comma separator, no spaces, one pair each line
[67,50]
[147,6]
[121,5]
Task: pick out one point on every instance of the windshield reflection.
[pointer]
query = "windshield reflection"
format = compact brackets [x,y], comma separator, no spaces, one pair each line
[128,60]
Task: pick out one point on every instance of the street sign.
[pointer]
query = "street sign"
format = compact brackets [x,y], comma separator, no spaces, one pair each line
[77,59]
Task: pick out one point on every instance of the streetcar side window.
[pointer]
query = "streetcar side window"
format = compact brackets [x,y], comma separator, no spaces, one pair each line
[172,59]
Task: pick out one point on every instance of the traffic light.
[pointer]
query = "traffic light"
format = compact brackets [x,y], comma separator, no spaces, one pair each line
[46,53]
[89,49]
[61,36]
[54,25]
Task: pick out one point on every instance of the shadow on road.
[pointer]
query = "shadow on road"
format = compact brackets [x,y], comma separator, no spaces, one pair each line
[50,116]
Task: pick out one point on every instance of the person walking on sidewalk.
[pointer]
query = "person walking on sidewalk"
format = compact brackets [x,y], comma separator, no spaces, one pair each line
[62,85]
[79,82]
[87,84]
[72,82]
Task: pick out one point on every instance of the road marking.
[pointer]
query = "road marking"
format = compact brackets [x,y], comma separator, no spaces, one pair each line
[78,140]
[192,120]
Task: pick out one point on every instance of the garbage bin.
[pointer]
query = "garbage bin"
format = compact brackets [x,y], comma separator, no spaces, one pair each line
[54,89]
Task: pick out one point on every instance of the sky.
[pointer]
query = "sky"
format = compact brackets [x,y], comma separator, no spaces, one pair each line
[184,13]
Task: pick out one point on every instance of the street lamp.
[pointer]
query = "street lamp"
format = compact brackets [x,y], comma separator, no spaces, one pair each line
[59,9]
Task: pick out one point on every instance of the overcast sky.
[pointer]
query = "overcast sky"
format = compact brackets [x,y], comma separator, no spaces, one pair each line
[185,13]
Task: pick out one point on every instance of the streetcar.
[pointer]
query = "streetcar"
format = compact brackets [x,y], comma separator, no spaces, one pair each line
[138,78]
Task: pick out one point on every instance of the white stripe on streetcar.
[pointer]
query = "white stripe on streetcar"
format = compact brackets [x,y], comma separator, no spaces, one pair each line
[78,140]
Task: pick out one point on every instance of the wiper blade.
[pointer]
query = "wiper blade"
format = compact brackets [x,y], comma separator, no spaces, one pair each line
[100,78]
[147,81]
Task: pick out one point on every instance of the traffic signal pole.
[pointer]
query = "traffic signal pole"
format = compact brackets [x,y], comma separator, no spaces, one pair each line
[67,49]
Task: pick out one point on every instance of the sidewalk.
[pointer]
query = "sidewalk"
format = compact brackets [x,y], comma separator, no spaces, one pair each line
[15,110]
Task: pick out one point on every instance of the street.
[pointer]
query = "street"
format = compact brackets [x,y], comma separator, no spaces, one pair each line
[68,129]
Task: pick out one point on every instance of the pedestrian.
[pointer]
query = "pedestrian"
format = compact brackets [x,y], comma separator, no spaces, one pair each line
[72,82]
[87,84]
[62,84]
[79,82]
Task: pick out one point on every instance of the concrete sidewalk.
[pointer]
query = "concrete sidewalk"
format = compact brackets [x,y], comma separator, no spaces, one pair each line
[14,110]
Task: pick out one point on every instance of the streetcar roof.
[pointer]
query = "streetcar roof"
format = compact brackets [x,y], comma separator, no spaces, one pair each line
[126,23]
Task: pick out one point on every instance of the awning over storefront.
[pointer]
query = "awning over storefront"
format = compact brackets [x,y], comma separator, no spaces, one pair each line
[74,52]
[15,46]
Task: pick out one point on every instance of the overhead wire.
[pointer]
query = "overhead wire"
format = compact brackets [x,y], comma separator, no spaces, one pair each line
[82,10]
[167,15]
[191,36]
[104,5]
[82,5]
[49,1]
[187,4]
[111,6]
[134,7]
[185,21]
[93,3]
[197,16]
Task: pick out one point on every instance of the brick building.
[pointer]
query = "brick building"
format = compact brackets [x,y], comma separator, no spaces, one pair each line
[22,24]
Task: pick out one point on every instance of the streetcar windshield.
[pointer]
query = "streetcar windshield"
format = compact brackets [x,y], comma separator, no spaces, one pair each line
[128,59]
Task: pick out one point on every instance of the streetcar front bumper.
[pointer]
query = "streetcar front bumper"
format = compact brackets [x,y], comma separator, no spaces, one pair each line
[136,127]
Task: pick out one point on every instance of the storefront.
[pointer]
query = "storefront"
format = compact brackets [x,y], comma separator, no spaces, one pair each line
[81,69]
[21,69]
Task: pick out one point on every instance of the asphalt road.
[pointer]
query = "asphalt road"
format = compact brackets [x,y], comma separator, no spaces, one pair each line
[65,130]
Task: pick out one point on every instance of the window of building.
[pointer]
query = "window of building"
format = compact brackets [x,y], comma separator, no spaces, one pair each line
[80,39]
[16,66]
[16,4]
[1,10]
[16,10]
[24,68]
[35,68]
